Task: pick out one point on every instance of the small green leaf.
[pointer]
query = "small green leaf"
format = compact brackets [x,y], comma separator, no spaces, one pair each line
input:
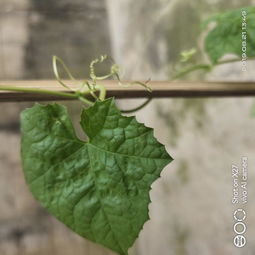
[226,36]
[99,188]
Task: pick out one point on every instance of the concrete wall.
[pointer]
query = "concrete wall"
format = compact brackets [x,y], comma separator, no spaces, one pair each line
[191,210]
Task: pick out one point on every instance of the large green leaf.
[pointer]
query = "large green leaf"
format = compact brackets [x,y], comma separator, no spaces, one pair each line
[226,36]
[99,188]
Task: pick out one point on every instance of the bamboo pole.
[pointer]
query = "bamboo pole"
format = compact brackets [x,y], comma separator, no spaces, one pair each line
[160,89]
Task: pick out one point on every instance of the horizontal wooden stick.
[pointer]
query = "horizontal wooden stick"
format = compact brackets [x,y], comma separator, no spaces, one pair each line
[159,89]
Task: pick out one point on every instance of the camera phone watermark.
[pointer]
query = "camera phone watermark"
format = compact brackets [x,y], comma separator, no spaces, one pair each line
[239,199]
[244,40]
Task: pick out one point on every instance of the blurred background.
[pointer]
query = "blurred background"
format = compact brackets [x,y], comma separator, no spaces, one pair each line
[191,211]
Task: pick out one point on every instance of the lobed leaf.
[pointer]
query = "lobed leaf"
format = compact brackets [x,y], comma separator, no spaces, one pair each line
[98,188]
[226,36]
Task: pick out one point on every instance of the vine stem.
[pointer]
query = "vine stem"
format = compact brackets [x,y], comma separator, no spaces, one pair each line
[188,70]
[206,67]
[36,91]
[74,95]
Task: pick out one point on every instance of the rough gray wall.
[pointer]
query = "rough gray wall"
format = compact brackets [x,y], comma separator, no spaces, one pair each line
[76,31]
[32,31]
[13,38]
[191,211]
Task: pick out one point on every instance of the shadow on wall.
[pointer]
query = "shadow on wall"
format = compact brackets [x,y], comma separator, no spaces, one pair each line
[77,32]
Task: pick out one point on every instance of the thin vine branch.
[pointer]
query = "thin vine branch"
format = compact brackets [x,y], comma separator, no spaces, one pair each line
[205,67]
[37,91]
[87,87]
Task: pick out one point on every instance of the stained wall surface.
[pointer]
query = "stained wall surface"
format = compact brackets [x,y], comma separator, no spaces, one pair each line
[191,211]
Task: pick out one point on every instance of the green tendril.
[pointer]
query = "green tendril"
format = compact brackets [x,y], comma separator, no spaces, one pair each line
[87,88]
[143,84]
[80,95]
[137,108]
[114,73]
[55,61]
